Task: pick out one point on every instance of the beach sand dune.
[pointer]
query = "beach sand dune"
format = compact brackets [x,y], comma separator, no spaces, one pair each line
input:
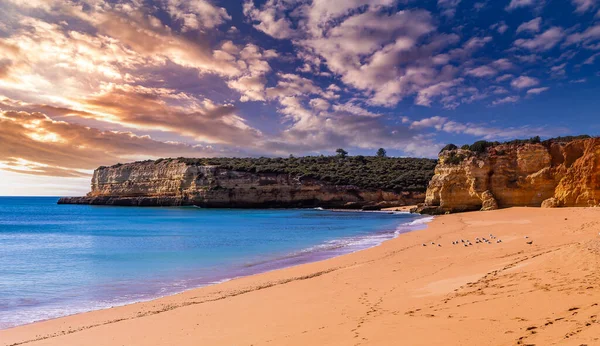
[399,293]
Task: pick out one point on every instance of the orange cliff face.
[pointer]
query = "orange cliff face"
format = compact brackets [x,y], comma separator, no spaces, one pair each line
[549,174]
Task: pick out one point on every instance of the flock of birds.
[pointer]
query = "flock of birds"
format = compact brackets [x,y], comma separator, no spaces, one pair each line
[467,243]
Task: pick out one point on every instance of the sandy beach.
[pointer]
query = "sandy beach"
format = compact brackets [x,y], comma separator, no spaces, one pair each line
[399,293]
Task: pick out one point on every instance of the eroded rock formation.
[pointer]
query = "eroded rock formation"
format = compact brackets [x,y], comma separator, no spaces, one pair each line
[548,174]
[174,182]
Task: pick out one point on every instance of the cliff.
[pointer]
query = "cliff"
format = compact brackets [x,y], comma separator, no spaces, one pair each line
[174,182]
[549,174]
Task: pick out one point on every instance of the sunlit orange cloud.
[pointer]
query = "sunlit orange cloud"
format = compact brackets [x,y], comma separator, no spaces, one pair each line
[95,75]
[32,143]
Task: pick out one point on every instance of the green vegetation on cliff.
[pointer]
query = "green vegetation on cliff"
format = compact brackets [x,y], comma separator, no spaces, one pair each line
[482,146]
[387,173]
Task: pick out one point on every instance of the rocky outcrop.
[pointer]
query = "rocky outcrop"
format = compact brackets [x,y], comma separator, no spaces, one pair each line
[175,182]
[548,174]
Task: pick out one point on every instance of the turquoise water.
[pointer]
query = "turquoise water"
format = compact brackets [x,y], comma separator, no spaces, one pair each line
[57,260]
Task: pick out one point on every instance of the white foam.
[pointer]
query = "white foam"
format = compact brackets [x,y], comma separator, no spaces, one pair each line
[421,221]
[352,244]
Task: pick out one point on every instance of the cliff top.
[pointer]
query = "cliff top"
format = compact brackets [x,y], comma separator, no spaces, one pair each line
[388,173]
[484,146]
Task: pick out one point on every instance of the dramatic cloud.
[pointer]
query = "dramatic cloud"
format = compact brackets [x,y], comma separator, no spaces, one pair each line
[386,54]
[91,82]
[39,145]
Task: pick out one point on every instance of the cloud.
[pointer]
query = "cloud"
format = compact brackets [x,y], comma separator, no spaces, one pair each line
[498,90]
[386,54]
[514,4]
[591,59]
[33,143]
[436,122]
[158,109]
[558,70]
[523,82]
[537,91]
[425,96]
[482,71]
[582,6]
[587,38]
[345,126]
[504,78]
[354,109]
[253,62]
[542,42]
[503,64]
[444,124]
[501,27]
[530,26]
[320,104]
[508,99]
[293,85]
[196,14]
[448,7]
[270,19]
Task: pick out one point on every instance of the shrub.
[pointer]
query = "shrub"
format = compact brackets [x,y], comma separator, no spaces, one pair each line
[365,172]
[454,159]
[480,146]
[448,147]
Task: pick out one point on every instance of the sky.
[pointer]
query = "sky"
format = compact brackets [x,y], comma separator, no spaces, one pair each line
[85,83]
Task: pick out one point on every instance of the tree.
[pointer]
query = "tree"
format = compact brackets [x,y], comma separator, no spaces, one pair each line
[341,153]
[381,152]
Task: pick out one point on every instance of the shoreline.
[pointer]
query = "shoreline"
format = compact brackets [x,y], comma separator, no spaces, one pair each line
[316,253]
[399,289]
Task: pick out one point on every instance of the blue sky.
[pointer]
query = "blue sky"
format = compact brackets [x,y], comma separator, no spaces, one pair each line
[92,82]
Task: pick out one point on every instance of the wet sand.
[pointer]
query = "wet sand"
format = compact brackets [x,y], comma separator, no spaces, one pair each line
[399,293]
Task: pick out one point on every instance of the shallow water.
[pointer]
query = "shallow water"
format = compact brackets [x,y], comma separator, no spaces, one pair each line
[57,260]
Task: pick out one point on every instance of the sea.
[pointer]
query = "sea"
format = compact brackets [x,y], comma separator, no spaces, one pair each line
[57,260]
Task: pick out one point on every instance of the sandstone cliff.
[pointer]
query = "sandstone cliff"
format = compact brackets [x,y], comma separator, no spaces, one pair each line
[548,174]
[179,182]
